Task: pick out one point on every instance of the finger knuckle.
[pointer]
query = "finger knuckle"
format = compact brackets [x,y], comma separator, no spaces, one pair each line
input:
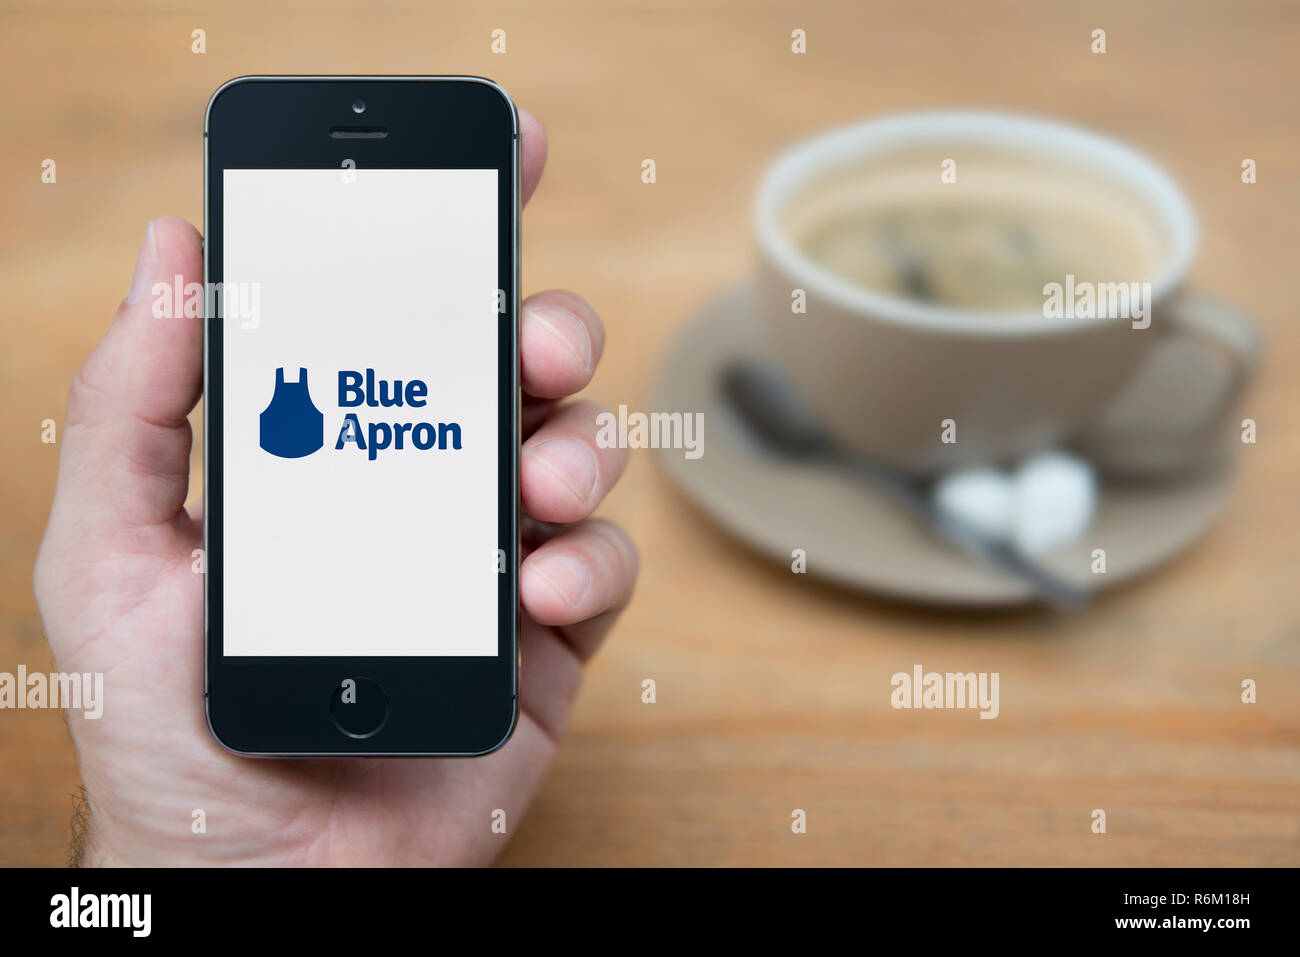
[85,393]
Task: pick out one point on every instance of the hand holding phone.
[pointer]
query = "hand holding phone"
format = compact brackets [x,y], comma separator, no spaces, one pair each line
[120,589]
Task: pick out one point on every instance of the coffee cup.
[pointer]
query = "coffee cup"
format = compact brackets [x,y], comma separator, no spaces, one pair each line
[949,289]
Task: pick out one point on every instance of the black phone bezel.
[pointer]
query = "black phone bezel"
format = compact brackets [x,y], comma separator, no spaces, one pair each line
[437,705]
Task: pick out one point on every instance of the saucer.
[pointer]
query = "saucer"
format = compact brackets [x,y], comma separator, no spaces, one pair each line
[856,535]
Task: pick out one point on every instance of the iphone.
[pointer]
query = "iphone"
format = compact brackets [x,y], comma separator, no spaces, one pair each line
[361,416]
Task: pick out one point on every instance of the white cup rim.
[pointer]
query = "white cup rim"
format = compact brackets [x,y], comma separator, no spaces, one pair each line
[800,164]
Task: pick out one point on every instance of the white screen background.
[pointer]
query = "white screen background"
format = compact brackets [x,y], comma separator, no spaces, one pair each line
[333,554]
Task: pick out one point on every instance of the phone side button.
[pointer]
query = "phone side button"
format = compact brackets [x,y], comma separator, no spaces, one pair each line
[359,707]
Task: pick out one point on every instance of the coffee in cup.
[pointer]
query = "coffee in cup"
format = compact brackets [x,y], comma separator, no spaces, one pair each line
[910,307]
[989,241]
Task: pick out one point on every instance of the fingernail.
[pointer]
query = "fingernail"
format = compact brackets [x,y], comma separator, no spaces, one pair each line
[570,330]
[146,266]
[572,461]
[566,573]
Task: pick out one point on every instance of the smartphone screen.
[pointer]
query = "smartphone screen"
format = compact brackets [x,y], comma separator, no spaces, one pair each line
[360,448]
[361,416]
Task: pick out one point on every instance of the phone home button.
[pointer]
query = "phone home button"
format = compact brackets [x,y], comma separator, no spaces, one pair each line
[359,707]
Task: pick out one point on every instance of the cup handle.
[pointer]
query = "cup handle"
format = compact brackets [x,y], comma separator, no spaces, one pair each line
[1215,326]
[1221,325]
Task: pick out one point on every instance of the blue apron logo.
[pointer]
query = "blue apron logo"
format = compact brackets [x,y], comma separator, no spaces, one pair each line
[291,426]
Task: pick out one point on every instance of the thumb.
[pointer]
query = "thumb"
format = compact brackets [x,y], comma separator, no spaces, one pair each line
[126,449]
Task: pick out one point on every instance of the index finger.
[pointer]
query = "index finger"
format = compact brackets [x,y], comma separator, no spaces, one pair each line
[532,140]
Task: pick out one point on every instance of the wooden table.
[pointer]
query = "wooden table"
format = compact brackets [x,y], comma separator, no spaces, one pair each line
[772,689]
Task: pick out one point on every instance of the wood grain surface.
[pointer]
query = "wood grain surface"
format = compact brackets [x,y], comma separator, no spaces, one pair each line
[772,689]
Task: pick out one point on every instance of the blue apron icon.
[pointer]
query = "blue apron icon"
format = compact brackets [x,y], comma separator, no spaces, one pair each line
[291,426]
